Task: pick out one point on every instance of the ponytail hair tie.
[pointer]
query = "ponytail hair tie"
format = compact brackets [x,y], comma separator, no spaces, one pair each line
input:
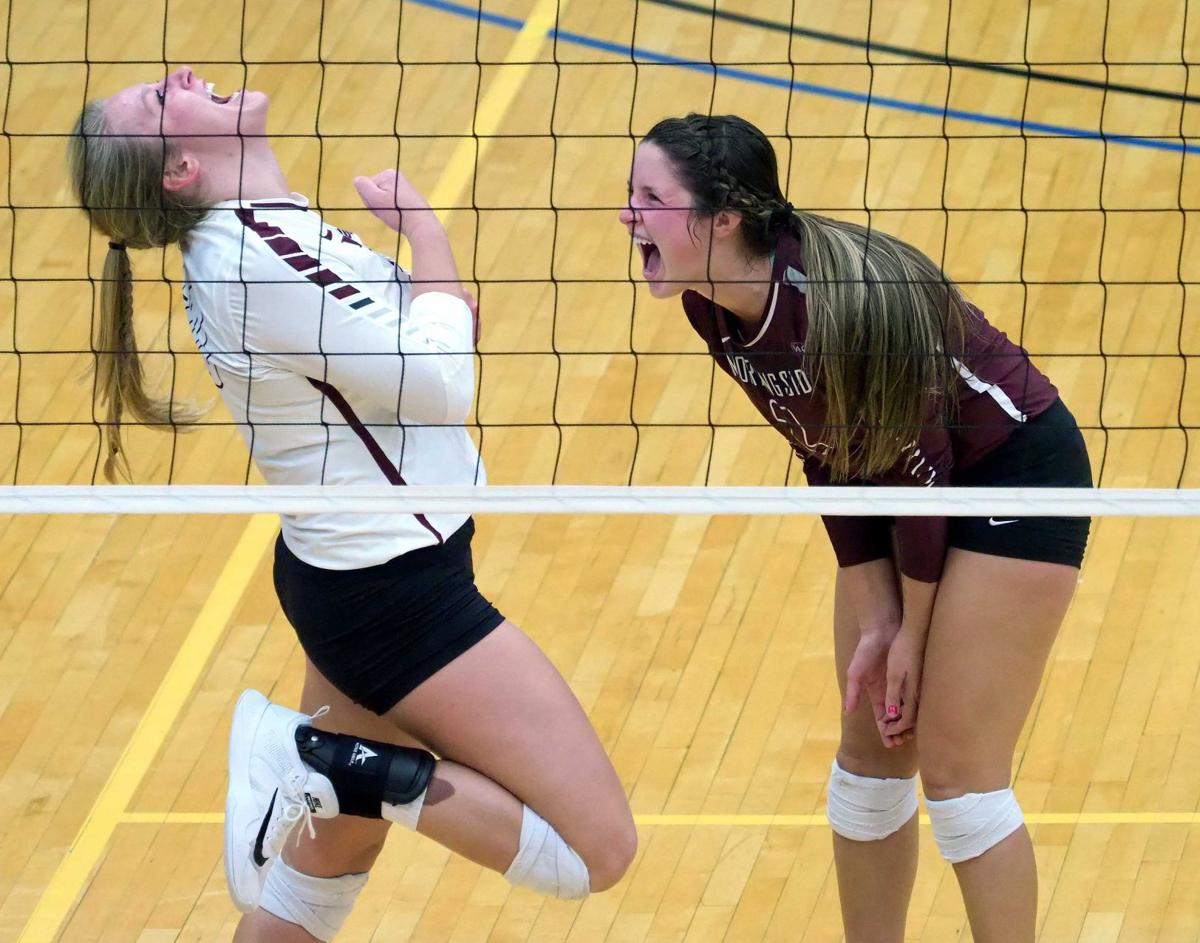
[119,246]
[780,215]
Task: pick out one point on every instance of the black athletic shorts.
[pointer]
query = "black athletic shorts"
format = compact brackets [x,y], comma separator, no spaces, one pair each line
[1045,452]
[379,631]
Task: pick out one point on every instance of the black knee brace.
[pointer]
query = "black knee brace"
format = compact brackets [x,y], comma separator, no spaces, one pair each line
[365,773]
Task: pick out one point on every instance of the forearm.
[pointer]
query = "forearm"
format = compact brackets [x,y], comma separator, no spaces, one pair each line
[874,595]
[433,267]
[918,598]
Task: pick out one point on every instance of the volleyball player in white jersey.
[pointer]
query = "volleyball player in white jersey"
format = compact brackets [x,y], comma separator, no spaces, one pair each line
[340,368]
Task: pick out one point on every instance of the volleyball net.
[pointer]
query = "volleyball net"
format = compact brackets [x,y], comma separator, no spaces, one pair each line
[1059,189]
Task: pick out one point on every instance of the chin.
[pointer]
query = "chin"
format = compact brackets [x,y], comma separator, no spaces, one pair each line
[665,289]
[254,111]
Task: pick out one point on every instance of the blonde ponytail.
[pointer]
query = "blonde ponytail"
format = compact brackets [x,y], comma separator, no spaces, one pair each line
[884,327]
[118,180]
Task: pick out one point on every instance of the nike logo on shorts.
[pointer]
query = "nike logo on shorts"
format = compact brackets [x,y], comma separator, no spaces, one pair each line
[996,523]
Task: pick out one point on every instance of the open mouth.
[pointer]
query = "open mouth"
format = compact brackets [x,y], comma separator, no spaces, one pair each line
[220,99]
[651,258]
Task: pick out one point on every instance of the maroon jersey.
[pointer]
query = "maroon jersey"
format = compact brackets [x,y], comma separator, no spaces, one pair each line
[998,389]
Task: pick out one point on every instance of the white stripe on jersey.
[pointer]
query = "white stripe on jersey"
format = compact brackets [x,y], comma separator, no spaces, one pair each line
[334,373]
[992,390]
[766,320]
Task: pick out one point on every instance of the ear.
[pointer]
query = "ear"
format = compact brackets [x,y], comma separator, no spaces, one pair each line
[182,170]
[726,223]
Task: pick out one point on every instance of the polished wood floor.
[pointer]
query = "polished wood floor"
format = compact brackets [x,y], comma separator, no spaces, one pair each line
[700,646]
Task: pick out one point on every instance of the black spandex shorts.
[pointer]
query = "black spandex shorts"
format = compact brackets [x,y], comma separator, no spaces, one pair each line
[1046,452]
[379,631]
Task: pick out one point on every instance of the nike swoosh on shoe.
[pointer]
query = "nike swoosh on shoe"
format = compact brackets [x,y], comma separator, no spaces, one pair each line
[259,858]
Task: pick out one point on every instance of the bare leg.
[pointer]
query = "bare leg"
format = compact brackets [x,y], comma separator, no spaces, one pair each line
[510,733]
[503,710]
[993,625]
[344,845]
[875,879]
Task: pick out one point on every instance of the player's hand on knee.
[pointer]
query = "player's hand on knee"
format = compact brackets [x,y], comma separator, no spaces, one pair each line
[898,719]
[867,672]
[394,200]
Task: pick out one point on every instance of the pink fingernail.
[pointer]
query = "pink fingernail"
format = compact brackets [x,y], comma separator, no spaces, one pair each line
[893,710]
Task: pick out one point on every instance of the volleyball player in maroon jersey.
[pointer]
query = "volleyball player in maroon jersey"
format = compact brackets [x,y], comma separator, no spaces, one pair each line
[861,352]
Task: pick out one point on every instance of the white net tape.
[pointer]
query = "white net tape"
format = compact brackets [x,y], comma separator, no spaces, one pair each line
[584,499]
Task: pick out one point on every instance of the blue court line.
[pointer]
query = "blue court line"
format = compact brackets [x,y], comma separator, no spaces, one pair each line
[639,55]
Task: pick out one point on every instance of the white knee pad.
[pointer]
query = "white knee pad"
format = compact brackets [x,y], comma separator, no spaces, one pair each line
[319,905]
[862,808]
[967,826]
[547,864]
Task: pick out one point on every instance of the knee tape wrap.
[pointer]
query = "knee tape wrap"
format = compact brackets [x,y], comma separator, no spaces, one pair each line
[966,826]
[318,905]
[862,808]
[547,864]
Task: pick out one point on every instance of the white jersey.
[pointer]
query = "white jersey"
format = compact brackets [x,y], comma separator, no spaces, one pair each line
[334,373]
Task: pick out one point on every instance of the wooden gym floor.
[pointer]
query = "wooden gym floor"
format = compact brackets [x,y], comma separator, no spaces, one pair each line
[700,646]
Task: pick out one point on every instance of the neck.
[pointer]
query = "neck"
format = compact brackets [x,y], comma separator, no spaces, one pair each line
[248,171]
[741,287]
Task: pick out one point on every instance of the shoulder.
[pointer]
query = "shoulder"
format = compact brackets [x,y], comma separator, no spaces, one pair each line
[287,242]
[699,310]
[242,236]
[279,230]
[978,332]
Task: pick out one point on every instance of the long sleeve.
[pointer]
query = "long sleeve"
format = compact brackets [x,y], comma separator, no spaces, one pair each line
[921,540]
[417,366]
[855,539]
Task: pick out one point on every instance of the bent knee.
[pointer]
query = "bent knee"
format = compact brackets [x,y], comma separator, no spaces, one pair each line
[611,855]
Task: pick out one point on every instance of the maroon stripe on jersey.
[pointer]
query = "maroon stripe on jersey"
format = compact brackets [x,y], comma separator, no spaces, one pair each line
[266,230]
[324,278]
[301,263]
[390,472]
[284,246]
[290,252]
[266,205]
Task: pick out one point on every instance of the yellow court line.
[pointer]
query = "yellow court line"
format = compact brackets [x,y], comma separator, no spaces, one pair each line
[76,867]
[503,89]
[109,808]
[1032,818]
[172,818]
[776,821]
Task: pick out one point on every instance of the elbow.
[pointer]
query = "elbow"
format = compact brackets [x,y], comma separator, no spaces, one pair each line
[459,384]
[444,398]
[458,406]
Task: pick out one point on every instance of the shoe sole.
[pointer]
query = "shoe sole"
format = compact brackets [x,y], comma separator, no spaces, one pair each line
[251,707]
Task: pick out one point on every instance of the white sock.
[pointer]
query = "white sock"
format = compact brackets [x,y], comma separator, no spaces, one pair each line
[407,814]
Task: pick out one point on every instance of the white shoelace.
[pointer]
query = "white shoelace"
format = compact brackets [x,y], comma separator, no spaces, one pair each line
[295,807]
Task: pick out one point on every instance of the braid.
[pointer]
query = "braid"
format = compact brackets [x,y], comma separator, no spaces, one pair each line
[118,180]
[728,164]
